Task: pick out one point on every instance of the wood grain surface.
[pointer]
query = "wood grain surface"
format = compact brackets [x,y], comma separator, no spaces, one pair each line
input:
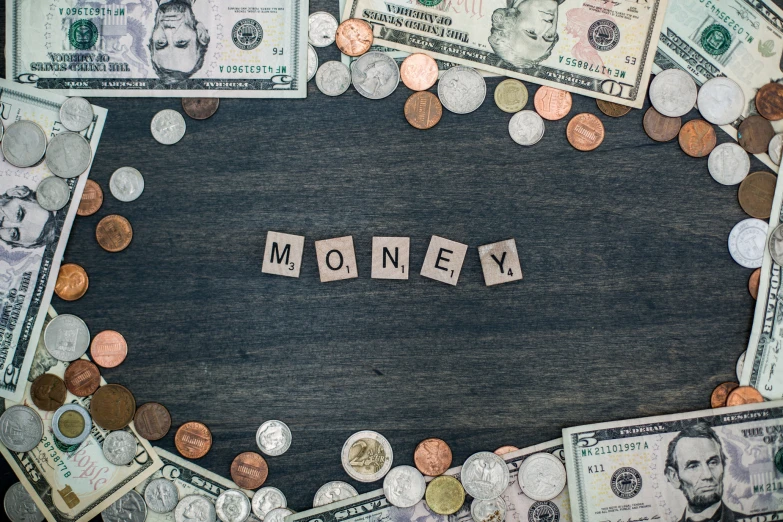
[630,303]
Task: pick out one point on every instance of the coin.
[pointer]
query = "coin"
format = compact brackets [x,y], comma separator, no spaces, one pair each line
[432,457]
[505,449]
[660,127]
[445,495]
[488,510]
[333,492]
[353,37]
[20,506]
[769,101]
[728,164]
[68,155]
[542,476]
[746,242]
[552,104]
[195,508]
[753,283]
[419,72]
[108,349]
[755,194]
[312,62]
[52,193]
[775,148]
[423,110]
[673,92]
[775,244]
[754,134]
[114,233]
[24,144]
[232,506]
[265,500]
[119,448]
[720,393]
[375,75]
[615,110]
[485,475]
[92,199]
[526,128]
[273,437]
[82,378]
[193,440]
[462,89]
[585,132]
[126,184]
[367,456]
[740,365]
[48,392]
[168,127]
[278,514]
[404,486]
[76,114]
[720,101]
[21,428]
[128,508]
[511,95]
[743,395]
[333,78]
[66,337]
[152,421]
[249,470]
[697,138]
[112,407]
[72,282]
[322,29]
[71,424]
[161,495]
[200,108]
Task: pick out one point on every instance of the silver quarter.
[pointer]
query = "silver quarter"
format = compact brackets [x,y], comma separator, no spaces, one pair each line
[673,92]
[462,89]
[404,486]
[333,491]
[775,148]
[775,244]
[484,475]
[126,184]
[161,495]
[66,337]
[76,114]
[52,193]
[333,78]
[83,413]
[312,62]
[720,101]
[266,499]
[526,128]
[746,242]
[542,476]
[21,428]
[740,365]
[367,456]
[728,164]
[322,29]
[195,508]
[20,506]
[168,127]
[128,508]
[24,143]
[375,75]
[119,448]
[68,155]
[278,514]
[232,506]
[493,510]
[273,438]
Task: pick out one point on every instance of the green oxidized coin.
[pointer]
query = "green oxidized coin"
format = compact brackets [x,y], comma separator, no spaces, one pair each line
[430,3]
[83,34]
[716,39]
[779,460]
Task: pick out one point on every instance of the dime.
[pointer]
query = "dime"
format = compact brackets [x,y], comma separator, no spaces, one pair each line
[423,110]
[697,138]
[755,194]
[322,29]
[720,393]
[48,392]
[552,104]
[419,72]
[249,470]
[333,78]
[485,475]
[168,127]
[511,95]
[273,438]
[112,407]
[353,37]
[193,440]
[265,500]
[161,495]
[82,378]
[232,506]
[114,233]
[585,132]
[769,101]
[375,75]
[119,448]
[152,421]
[129,508]
[526,128]
[445,495]
[542,476]
[126,184]
[775,244]
[24,144]
[775,149]
[312,62]
[367,456]
[71,424]
[72,281]
[673,92]
[432,457]
[728,164]
[505,449]
[52,193]
[92,199]
[66,337]
[108,349]
[754,134]
[614,110]
[404,486]
[333,492]
[753,285]
[743,395]
[488,510]
[278,514]
[20,506]
[200,108]
[720,101]
[68,155]
[76,114]
[21,428]
[462,89]
[660,127]
[740,365]
[195,508]
[746,242]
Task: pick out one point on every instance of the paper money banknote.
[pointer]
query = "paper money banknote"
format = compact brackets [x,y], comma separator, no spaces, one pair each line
[67,484]
[32,240]
[719,465]
[155,48]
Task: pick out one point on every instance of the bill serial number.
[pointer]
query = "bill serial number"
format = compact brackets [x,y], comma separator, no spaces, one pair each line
[614,448]
[253,69]
[589,67]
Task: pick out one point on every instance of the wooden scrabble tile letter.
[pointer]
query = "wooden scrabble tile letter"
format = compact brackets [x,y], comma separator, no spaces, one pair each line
[500,262]
[443,261]
[336,259]
[390,257]
[283,254]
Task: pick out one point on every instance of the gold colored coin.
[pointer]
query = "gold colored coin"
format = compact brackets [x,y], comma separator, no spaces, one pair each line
[71,424]
[445,495]
[511,95]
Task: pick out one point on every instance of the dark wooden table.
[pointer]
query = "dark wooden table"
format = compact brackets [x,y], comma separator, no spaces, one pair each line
[630,304]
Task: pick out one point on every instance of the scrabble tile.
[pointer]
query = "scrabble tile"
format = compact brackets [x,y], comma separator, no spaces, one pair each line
[390,257]
[283,254]
[443,261]
[500,262]
[336,259]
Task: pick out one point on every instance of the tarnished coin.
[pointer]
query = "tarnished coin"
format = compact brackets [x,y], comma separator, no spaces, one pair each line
[152,421]
[614,110]
[744,395]
[82,378]
[445,495]
[312,62]
[505,449]
[265,500]
[322,29]
[542,476]
[21,428]
[753,285]
[76,114]
[52,193]
[526,128]
[200,108]
[161,495]
[775,148]
[404,486]
[660,127]
[20,506]
[462,89]
[552,104]
[68,155]
[720,100]
[353,37]
[697,138]
[493,510]
[249,470]
[195,508]
[129,508]
[119,448]
[112,407]
[114,233]
[92,199]
[333,492]
[485,475]
[66,337]
[48,392]
[72,282]
[721,393]
[71,424]
[108,349]
[740,365]
[756,192]
[728,164]
[769,101]
[775,245]
[754,134]
[193,440]
[333,78]
[423,110]
[168,127]
[432,457]
[126,184]
[673,92]
[232,506]
[24,143]
[367,456]
[510,95]
[585,132]
[278,514]
[746,242]
[273,437]
[419,72]
[375,75]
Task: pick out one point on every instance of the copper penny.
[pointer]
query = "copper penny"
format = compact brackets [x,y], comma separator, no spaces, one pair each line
[193,440]
[353,37]
[112,407]
[585,132]
[419,72]
[615,110]
[551,103]
[432,457]
[769,101]
[756,192]
[505,449]
[423,110]
[719,394]
[82,378]
[72,282]
[743,395]
[753,283]
[754,134]
[48,392]
[152,421]
[92,199]
[697,138]
[249,470]
[660,127]
[200,108]
[108,349]
[114,233]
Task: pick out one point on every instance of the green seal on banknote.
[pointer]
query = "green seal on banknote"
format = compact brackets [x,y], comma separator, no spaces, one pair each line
[83,34]
[779,460]
[430,3]
[716,39]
